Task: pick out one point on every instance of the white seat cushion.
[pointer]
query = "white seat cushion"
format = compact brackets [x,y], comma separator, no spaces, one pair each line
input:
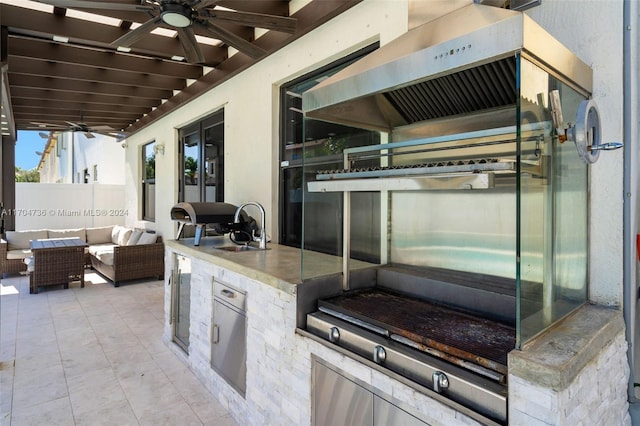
[103,252]
[18,254]
[95,249]
[105,257]
[99,235]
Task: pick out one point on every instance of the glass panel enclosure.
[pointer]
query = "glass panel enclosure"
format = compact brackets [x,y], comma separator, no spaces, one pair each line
[553,212]
[323,213]
[291,161]
[492,195]
[181,301]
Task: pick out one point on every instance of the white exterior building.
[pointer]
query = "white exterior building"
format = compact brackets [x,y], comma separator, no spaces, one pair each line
[71,157]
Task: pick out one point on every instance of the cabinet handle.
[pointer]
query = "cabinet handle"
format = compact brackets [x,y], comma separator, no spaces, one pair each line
[216,333]
[228,293]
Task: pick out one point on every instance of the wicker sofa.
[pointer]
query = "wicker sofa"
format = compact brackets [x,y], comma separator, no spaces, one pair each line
[116,252]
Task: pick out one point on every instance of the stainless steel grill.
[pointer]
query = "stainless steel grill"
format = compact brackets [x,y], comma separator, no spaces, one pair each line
[482,87]
[462,141]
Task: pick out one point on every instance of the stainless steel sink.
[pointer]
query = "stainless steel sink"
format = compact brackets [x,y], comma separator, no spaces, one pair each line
[238,248]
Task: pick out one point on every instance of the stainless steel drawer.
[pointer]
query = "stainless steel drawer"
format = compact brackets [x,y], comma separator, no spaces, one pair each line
[230,295]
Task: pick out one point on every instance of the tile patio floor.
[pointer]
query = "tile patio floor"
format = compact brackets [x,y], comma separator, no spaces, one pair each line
[94,356]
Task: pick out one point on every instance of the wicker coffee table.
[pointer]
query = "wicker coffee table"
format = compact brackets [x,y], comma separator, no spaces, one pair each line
[57,261]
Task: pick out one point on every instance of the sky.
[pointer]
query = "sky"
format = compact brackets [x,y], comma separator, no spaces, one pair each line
[28,143]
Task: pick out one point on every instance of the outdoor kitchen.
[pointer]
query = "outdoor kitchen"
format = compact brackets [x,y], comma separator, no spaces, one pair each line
[472,305]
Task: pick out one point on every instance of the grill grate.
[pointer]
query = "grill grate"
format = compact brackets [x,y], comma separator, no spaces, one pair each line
[475,89]
[467,337]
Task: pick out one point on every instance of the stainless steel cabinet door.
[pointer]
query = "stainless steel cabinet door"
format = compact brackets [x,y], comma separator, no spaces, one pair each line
[181,301]
[339,401]
[385,414]
[229,349]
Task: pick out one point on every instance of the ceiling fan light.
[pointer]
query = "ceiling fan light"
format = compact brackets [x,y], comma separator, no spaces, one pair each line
[176,15]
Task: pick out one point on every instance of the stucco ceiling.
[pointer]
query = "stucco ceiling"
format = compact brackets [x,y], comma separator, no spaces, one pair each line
[61,66]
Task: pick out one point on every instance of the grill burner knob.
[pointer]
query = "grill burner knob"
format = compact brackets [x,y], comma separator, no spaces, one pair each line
[379,354]
[440,381]
[334,335]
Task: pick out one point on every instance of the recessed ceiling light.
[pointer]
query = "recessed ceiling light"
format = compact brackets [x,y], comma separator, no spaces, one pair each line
[123,49]
[177,58]
[61,39]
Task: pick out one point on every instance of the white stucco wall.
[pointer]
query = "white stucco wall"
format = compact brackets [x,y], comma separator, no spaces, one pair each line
[592,29]
[251,108]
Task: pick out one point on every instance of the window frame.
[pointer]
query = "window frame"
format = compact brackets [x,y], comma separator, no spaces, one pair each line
[148,148]
[200,128]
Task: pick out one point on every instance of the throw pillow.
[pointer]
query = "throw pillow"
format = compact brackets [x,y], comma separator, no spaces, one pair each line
[115,232]
[147,238]
[123,236]
[133,239]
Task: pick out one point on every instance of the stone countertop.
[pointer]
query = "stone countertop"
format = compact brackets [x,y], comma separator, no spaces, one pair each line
[554,359]
[279,266]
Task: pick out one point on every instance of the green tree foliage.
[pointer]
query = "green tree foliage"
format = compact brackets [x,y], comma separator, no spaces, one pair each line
[151,166]
[23,175]
[191,168]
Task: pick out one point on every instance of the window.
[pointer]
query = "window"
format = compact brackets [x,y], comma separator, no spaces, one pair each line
[202,160]
[329,142]
[95,172]
[149,181]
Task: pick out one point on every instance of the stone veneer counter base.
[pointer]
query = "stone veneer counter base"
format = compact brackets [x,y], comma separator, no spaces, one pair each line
[576,373]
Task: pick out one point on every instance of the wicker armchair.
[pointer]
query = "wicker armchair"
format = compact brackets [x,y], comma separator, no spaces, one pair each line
[133,262]
[9,266]
[57,266]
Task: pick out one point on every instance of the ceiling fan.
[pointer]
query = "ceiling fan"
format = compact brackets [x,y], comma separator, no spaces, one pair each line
[87,130]
[184,16]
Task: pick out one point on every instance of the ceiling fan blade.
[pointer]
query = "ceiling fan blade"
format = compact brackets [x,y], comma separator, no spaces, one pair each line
[43,125]
[201,4]
[250,19]
[190,45]
[233,40]
[101,128]
[114,134]
[134,35]
[82,4]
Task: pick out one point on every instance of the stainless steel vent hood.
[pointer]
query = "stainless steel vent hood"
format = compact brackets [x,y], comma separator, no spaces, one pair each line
[457,64]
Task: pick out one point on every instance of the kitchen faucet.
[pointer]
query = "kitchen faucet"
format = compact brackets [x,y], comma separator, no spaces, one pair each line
[263,234]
